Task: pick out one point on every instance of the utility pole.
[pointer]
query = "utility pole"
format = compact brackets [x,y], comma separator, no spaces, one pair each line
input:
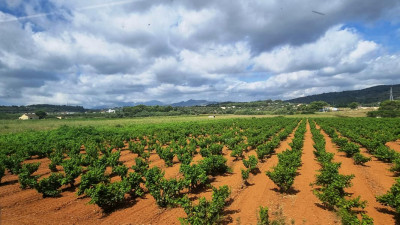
[391,94]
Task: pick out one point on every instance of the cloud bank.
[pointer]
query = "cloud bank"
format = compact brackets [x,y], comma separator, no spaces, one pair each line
[105,52]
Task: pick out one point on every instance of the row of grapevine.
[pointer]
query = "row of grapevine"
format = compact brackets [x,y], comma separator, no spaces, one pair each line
[284,173]
[370,137]
[331,184]
[351,149]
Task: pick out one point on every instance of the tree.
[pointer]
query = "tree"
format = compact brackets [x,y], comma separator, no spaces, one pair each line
[353,105]
[390,105]
[317,105]
[41,114]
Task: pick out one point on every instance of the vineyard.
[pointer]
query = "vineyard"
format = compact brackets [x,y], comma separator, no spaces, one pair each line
[230,171]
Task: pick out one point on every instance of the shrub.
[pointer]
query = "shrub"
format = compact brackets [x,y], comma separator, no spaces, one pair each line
[195,176]
[392,197]
[206,212]
[251,163]
[120,170]
[113,159]
[237,152]
[167,154]
[215,149]
[396,166]
[385,154]
[214,165]
[263,217]
[245,174]
[136,148]
[134,180]
[49,187]
[282,176]
[56,159]
[141,166]
[166,192]
[13,163]
[25,178]
[266,150]
[72,170]
[92,177]
[185,158]
[360,159]
[350,149]
[108,195]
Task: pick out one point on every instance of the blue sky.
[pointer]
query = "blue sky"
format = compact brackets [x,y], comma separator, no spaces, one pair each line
[102,52]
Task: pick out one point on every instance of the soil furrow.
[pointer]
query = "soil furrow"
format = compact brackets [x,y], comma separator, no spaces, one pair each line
[369,181]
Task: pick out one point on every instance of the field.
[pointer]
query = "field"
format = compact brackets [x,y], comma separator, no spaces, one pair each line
[14,126]
[196,170]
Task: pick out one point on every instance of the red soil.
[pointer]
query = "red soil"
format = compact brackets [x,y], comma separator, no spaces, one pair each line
[395,145]
[27,206]
[370,180]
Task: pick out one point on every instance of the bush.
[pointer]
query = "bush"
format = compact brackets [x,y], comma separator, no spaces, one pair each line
[56,159]
[385,154]
[392,197]
[350,149]
[72,170]
[108,195]
[166,192]
[92,177]
[25,178]
[206,212]
[120,170]
[282,176]
[215,149]
[134,180]
[214,165]
[141,166]
[237,152]
[167,154]
[360,159]
[185,158]
[13,163]
[263,217]
[49,187]
[245,174]
[251,163]
[195,176]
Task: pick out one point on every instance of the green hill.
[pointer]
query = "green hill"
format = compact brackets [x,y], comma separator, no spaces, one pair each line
[44,107]
[365,96]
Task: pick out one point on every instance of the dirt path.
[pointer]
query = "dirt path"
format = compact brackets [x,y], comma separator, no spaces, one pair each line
[303,207]
[369,181]
[395,145]
[260,192]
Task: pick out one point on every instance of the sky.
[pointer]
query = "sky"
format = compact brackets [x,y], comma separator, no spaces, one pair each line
[100,52]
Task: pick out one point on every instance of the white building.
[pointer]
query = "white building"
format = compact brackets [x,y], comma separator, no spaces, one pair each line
[110,111]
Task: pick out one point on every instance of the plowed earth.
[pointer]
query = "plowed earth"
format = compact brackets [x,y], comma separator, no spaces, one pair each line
[370,180]
[300,205]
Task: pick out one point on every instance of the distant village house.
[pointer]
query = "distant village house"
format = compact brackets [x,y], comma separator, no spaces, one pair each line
[29,116]
[111,111]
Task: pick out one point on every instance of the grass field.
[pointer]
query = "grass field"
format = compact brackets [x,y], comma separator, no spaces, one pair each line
[14,126]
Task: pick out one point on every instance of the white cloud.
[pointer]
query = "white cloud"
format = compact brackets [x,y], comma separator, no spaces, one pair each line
[102,52]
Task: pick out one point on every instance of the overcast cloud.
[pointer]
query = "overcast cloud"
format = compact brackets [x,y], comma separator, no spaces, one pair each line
[102,52]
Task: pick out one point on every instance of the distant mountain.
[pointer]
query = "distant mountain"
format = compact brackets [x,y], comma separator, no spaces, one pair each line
[149,103]
[364,96]
[192,102]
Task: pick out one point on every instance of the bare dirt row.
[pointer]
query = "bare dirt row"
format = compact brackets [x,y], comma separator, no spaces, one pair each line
[370,180]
